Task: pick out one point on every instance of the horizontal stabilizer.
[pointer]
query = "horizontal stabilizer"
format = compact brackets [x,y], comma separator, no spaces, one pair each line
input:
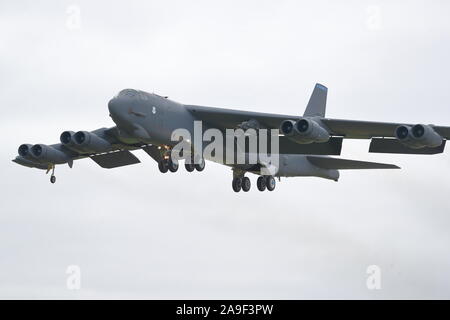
[115,159]
[342,164]
[379,145]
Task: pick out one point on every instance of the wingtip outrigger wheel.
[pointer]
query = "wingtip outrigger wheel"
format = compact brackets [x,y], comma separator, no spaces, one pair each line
[52,177]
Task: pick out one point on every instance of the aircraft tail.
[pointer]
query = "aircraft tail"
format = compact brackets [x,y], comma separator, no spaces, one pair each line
[317,103]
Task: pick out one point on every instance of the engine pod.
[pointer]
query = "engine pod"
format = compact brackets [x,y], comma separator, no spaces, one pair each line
[49,154]
[418,137]
[90,142]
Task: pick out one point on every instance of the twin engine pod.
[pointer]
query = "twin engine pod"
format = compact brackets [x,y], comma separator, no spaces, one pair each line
[304,131]
[43,153]
[418,137]
[84,142]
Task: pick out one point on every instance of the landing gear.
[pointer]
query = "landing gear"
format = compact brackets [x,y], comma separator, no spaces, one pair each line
[243,183]
[52,168]
[237,184]
[270,183]
[162,166]
[172,165]
[261,183]
[189,167]
[200,166]
[167,163]
[246,184]
[266,182]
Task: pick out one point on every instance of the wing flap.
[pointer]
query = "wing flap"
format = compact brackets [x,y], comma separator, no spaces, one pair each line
[333,147]
[343,164]
[379,145]
[443,131]
[115,159]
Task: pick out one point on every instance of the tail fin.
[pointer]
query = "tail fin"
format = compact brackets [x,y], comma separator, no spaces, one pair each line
[318,102]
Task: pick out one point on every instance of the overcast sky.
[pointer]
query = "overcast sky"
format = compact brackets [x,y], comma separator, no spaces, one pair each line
[136,233]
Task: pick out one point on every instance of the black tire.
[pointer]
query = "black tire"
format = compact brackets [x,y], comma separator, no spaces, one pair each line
[189,167]
[237,184]
[52,179]
[246,184]
[162,166]
[270,183]
[201,165]
[261,183]
[172,165]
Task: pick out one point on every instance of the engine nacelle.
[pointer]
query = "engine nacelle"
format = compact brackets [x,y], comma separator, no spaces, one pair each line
[418,137]
[90,142]
[287,128]
[25,151]
[304,131]
[68,141]
[48,154]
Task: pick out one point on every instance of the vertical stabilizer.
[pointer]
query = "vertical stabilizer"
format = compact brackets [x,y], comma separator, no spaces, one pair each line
[318,102]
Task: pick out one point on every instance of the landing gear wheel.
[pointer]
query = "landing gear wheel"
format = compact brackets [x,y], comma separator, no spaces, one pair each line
[162,166]
[201,165]
[237,184]
[270,183]
[52,179]
[246,184]
[261,183]
[189,167]
[172,165]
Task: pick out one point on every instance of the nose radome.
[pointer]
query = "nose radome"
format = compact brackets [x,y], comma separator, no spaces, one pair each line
[113,106]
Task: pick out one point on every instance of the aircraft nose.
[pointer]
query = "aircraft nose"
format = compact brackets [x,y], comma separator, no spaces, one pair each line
[113,106]
[117,110]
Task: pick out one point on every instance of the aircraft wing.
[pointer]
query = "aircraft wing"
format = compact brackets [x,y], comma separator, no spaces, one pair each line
[229,118]
[368,129]
[350,129]
[117,155]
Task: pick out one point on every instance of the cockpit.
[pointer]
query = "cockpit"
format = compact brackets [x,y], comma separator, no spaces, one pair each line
[136,94]
[130,93]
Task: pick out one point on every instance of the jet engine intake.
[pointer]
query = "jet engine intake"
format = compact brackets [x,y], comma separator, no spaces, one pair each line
[68,141]
[25,151]
[304,131]
[418,137]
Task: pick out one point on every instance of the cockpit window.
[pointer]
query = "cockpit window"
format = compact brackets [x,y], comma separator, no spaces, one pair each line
[131,93]
[127,93]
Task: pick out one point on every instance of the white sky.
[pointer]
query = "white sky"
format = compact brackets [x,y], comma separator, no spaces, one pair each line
[136,233]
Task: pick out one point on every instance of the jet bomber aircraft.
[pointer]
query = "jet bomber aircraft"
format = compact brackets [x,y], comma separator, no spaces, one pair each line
[304,144]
